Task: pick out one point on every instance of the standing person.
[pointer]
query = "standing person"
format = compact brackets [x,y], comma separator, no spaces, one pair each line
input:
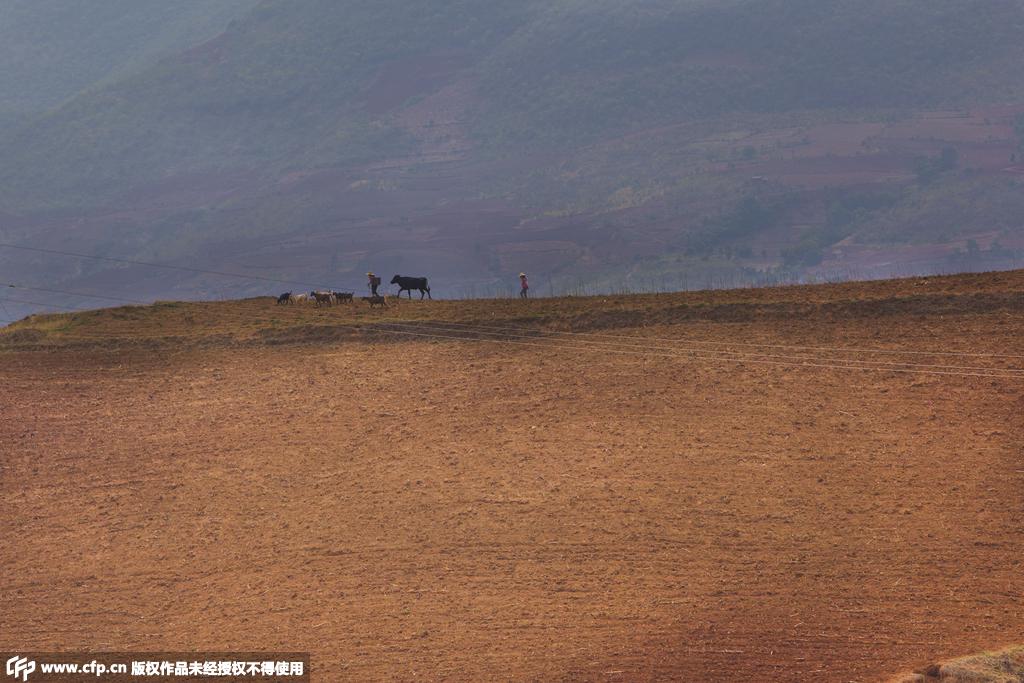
[524,286]
[374,282]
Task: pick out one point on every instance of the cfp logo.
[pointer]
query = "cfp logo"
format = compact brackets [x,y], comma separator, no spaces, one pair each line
[20,666]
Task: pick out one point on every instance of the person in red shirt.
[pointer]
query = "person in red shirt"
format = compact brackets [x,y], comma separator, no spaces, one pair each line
[524,285]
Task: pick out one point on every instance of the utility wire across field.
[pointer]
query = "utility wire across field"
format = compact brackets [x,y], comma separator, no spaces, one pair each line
[7,312]
[582,341]
[150,264]
[40,303]
[598,340]
[83,295]
[706,354]
[189,269]
[489,327]
[750,345]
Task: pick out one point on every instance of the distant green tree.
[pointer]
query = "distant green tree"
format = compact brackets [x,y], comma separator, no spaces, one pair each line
[808,252]
[924,169]
[998,250]
[930,168]
[949,159]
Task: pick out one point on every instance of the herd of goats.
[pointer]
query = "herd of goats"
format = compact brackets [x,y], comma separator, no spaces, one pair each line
[323,298]
[327,298]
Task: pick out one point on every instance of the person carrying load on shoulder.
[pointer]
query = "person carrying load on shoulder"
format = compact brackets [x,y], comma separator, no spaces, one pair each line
[373,281]
[524,285]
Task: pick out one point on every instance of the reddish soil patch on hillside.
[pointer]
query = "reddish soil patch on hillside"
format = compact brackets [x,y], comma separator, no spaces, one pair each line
[819,172]
[403,79]
[855,153]
[469,510]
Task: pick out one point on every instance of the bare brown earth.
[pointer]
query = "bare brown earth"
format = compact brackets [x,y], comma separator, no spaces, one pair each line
[239,475]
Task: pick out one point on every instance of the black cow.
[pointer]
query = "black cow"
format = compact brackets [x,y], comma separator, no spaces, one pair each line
[285,298]
[343,296]
[411,283]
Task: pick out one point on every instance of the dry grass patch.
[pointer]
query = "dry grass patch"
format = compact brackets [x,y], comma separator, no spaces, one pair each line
[1004,666]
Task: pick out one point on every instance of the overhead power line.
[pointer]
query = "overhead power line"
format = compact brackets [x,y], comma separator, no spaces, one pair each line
[81,294]
[4,306]
[582,341]
[167,266]
[40,303]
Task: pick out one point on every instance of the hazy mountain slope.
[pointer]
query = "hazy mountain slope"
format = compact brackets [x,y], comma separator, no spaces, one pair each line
[280,87]
[599,141]
[283,86]
[584,70]
[52,49]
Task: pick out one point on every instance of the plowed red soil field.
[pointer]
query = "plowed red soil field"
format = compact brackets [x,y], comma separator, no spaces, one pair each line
[471,506]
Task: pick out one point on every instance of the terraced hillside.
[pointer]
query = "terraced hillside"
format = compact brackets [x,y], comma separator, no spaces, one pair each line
[611,146]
